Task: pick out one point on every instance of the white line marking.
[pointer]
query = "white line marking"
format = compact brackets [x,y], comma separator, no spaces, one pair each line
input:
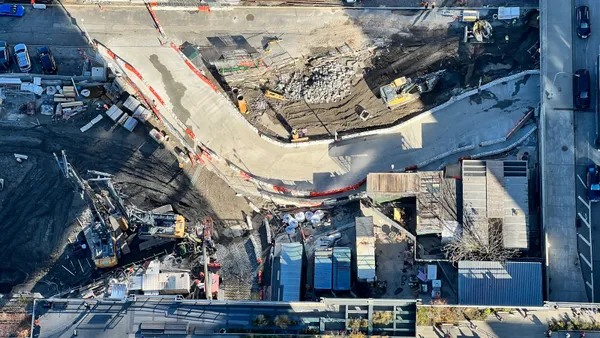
[585,240]
[582,182]
[585,260]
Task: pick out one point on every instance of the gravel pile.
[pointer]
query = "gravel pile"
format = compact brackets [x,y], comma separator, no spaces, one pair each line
[327,83]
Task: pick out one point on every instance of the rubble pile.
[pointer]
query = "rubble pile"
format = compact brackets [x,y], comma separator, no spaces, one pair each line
[326,83]
[237,261]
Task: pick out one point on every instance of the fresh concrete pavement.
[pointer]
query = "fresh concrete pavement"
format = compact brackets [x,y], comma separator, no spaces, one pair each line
[317,167]
[564,279]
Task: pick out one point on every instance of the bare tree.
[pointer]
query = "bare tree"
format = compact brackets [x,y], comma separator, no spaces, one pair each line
[477,238]
[471,244]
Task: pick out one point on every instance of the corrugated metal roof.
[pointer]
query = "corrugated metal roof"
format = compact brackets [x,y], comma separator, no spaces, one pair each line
[365,248]
[291,271]
[500,284]
[516,205]
[323,269]
[497,190]
[342,267]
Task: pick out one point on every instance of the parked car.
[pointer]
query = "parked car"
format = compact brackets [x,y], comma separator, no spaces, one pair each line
[4,55]
[593,183]
[47,60]
[581,89]
[583,22]
[12,10]
[22,56]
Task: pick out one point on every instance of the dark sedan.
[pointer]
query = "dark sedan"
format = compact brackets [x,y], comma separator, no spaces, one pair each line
[583,22]
[581,89]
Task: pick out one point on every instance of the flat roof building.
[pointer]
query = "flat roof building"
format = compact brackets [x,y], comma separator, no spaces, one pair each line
[287,281]
[342,267]
[323,269]
[497,192]
[500,283]
[365,249]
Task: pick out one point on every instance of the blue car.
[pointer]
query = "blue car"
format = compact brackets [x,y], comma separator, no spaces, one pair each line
[593,183]
[12,10]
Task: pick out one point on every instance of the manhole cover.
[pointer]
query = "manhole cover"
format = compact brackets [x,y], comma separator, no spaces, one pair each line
[565,148]
[250,17]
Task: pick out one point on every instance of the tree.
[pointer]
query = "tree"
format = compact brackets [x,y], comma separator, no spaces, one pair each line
[357,323]
[476,239]
[283,321]
[262,320]
[383,317]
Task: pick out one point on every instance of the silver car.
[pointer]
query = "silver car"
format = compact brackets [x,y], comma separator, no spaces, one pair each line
[22,57]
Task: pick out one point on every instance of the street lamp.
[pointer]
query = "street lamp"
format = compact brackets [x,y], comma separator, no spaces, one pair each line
[551,93]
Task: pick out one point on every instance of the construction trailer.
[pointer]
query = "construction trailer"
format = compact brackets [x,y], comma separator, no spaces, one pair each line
[323,271]
[342,267]
[365,249]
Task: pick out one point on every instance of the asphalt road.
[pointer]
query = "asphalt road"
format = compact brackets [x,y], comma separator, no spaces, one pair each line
[51,27]
[585,55]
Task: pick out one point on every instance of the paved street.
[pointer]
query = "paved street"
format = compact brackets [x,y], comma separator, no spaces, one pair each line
[585,55]
[564,276]
[51,27]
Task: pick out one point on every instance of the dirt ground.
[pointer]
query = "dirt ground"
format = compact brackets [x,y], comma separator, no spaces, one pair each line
[417,52]
[38,208]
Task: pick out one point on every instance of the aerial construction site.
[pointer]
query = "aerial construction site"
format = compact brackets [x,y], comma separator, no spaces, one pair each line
[199,154]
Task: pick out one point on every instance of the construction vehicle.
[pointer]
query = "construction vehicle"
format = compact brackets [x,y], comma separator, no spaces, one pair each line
[480,33]
[272,95]
[404,90]
[155,225]
[299,136]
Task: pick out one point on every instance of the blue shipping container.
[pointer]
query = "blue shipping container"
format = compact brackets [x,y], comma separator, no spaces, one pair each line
[342,265]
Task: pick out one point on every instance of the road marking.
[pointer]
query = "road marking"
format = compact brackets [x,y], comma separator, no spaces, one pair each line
[589,285]
[585,240]
[582,182]
[585,260]
[583,219]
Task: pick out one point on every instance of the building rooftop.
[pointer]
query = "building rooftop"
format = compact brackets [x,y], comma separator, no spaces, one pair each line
[365,248]
[290,271]
[497,190]
[500,284]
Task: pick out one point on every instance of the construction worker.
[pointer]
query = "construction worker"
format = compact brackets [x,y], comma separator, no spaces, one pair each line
[426,5]
[506,38]
[433,5]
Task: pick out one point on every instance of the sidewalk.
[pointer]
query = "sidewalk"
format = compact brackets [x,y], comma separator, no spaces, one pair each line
[512,326]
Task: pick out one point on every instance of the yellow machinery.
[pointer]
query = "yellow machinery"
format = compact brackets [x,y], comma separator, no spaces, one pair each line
[159,225]
[398,93]
[273,95]
[298,136]
[404,90]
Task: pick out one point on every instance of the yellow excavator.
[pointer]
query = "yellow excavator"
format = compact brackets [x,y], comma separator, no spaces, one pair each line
[404,90]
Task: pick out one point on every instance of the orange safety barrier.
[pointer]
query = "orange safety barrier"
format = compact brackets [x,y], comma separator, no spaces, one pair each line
[280,189]
[204,9]
[337,191]
[134,71]
[190,133]
[156,95]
